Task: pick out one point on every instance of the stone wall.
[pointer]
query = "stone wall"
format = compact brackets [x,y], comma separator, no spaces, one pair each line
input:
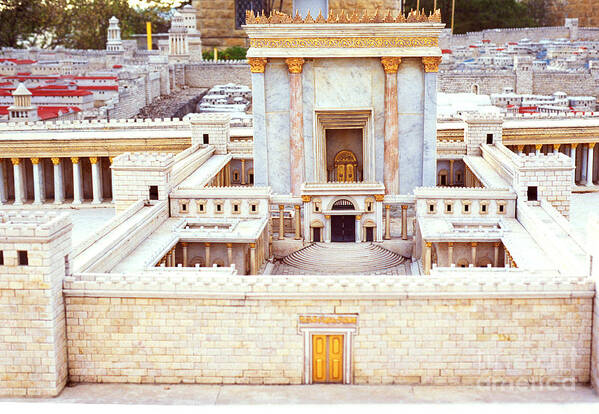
[488,81]
[502,36]
[426,332]
[573,84]
[206,75]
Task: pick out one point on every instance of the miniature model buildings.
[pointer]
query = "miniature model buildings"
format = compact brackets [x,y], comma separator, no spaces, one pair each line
[348,238]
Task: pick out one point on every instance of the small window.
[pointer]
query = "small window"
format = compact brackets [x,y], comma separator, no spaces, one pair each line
[532,193]
[1,258]
[184,207]
[201,206]
[431,207]
[501,208]
[448,208]
[235,175]
[254,207]
[490,139]
[206,139]
[23,259]
[484,207]
[236,207]
[466,207]
[219,207]
[153,192]
[369,206]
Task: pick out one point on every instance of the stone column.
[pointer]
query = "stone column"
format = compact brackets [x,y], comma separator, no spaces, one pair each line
[96,180]
[37,181]
[298,223]
[242,172]
[429,149]
[391,146]
[77,188]
[404,222]
[428,254]
[18,179]
[327,229]
[185,258]
[296,127]
[58,184]
[307,218]
[110,159]
[253,270]
[473,246]
[496,254]
[281,222]
[387,222]
[169,259]
[556,148]
[174,256]
[207,254]
[358,229]
[229,254]
[450,253]
[3,195]
[451,172]
[257,67]
[590,164]
[573,156]
[378,206]
[520,149]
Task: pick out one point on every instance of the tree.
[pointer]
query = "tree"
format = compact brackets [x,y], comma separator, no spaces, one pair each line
[476,15]
[18,19]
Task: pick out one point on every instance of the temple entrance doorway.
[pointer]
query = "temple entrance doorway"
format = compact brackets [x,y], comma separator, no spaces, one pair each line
[344,155]
[327,358]
[343,227]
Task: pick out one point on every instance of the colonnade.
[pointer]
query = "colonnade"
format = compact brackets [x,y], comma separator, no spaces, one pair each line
[40,180]
[222,178]
[584,156]
[427,254]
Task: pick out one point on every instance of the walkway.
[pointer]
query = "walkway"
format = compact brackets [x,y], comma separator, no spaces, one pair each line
[182,394]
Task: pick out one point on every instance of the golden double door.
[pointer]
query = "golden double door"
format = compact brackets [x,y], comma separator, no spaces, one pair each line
[327,358]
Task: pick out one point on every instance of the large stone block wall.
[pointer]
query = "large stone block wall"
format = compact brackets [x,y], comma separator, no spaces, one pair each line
[437,331]
[573,84]
[206,75]
[488,82]
[427,341]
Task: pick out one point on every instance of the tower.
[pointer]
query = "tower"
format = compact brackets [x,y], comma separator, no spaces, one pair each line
[22,109]
[114,42]
[33,256]
[177,37]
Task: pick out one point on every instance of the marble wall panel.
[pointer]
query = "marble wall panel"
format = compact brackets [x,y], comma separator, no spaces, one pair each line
[343,83]
[276,80]
[277,125]
[308,102]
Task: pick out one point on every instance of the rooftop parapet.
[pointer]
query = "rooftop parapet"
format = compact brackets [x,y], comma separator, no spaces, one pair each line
[95,124]
[211,119]
[32,223]
[144,159]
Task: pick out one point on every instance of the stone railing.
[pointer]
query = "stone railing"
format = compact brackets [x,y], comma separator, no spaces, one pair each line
[215,283]
[96,124]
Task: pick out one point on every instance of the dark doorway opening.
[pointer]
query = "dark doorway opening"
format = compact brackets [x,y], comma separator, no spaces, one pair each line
[316,234]
[532,193]
[369,234]
[343,227]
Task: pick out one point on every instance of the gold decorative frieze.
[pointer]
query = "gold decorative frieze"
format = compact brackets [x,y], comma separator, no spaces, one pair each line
[328,319]
[343,42]
[431,63]
[391,64]
[257,65]
[295,65]
[345,17]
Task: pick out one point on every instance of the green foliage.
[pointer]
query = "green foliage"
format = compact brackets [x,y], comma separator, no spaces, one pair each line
[476,15]
[80,24]
[231,53]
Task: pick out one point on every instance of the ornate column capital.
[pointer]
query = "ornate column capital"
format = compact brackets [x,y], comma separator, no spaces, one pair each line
[431,63]
[93,160]
[358,218]
[207,244]
[556,146]
[520,148]
[474,244]
[379,197]
[55,160]
[252,245]
[306,198]
[387,206]
[538,147]
[592,145]
[75,160]
[327,217]
[281,206]
[35,161]
[184,244]
[297,207]
[295,65]
[450,244]
[428,244]
[404,207]
[229,245]
[15,161]
[391,64]
[257,65]
[574,145]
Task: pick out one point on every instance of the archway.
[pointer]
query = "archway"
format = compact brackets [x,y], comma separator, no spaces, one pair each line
[343,226]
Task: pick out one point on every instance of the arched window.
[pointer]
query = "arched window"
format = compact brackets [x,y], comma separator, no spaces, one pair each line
[462,263]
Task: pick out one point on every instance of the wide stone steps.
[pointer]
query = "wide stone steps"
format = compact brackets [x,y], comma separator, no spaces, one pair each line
[345,258]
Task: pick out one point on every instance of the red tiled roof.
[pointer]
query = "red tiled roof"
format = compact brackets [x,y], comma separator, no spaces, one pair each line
[49,112]
[3,110]
[48,92]
[99,87]
[446,51]
[19,61]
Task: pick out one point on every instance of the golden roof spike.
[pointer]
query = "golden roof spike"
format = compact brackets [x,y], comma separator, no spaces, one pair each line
[308,18]
[389,18]
[320,18]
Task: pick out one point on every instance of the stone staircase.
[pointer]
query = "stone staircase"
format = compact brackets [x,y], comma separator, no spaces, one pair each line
[344,258]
